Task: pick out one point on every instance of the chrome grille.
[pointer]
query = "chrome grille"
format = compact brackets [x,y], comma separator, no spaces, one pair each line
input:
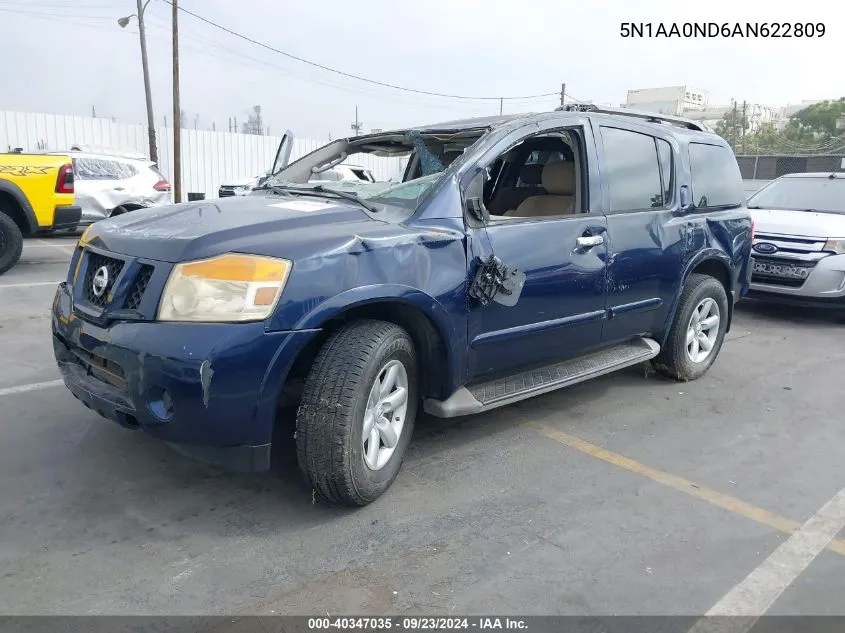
[808,249]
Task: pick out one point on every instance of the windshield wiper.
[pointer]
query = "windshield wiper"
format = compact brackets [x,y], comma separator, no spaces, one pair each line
[323,192]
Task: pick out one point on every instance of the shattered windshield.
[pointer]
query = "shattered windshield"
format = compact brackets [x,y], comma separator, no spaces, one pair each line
[396,169]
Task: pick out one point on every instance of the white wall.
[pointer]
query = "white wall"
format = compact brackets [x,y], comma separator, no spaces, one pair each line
[208,158]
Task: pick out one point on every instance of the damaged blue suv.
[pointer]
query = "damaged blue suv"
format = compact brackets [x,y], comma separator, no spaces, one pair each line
[517,255]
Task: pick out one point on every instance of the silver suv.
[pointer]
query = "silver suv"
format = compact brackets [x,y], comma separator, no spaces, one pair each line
[799,242]
[109,184]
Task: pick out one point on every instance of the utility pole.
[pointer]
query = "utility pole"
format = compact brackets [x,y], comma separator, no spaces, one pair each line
[357,125]
[562,94]
[142,32]
[744,125]
[733,126]
[177,113]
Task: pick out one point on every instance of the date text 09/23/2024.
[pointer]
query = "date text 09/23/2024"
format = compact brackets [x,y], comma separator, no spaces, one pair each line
[723,29]
[415,623]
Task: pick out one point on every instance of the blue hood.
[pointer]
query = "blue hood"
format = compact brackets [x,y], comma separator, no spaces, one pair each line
[277,226]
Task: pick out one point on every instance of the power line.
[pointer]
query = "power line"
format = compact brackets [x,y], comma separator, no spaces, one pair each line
[66,21]
[18,11]
[207,47]
[349,75]
[40,5]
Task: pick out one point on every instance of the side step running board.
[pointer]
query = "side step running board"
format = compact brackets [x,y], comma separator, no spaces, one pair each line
[502,391]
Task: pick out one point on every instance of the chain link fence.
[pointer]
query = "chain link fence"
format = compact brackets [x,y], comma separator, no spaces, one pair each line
[769,167]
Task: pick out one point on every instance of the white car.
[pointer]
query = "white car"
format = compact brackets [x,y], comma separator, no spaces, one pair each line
[337,173]
[799,240]
[109,184]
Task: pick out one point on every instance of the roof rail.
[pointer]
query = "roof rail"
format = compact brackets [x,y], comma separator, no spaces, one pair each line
[648,116]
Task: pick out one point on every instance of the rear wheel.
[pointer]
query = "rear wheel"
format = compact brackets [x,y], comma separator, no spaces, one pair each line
[357,412]
[698,330]
[11,242]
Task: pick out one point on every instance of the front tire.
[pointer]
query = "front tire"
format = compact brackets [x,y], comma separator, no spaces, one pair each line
[357,412]
[11,242]
[697,332]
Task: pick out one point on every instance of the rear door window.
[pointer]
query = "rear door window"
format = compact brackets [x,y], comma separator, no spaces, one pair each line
[716,179]
[102,169]
[633,170]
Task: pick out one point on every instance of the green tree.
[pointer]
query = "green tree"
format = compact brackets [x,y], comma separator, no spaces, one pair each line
[731,127]
[793,138]
[820,118]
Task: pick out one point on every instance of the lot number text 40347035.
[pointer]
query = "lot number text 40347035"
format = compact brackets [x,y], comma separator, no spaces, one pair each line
[416,623]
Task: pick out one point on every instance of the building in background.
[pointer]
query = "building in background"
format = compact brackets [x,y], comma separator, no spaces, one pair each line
[255,123]
[671,100]
[694,103]
[756,114]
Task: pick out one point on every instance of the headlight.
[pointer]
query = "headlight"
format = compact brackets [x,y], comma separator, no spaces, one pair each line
[243,190]
[230,287]
[835,245]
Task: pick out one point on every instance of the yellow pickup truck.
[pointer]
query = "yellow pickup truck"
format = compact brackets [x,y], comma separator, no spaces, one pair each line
[36,196]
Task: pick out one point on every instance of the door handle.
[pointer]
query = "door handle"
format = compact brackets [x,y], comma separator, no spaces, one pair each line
[588,241]
[118,189]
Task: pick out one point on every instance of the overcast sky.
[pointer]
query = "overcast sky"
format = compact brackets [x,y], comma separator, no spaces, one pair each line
[64,56]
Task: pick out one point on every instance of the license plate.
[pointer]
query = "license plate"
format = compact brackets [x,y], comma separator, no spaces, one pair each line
[786,271]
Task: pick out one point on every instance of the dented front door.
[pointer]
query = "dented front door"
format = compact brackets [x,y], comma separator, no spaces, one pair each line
[551,302]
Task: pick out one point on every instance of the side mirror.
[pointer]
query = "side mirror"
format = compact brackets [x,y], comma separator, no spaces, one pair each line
[476,208]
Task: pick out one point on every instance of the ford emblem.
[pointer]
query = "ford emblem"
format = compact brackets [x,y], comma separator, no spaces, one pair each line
[767,248]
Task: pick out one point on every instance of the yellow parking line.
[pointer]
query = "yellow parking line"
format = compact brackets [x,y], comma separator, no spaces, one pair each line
[732,504]
[64,250]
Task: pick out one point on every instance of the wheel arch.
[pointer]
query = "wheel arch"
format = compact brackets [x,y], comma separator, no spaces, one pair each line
[125,208]
[14,203]
[423,317]
[713,263]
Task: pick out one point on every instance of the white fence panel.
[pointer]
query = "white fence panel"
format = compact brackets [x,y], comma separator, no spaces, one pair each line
[208,158]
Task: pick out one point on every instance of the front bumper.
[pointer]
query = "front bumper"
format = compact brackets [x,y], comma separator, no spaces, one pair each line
[823,287]
[211,390]
[825,303]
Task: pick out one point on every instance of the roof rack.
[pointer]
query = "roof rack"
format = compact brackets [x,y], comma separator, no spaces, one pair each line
[652,117]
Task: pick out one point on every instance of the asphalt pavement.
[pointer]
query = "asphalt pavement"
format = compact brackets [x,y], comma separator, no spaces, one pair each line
[629,494]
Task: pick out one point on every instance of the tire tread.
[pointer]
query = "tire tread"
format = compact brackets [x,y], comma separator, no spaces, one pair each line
[327,409]
[14,242]
[671,360]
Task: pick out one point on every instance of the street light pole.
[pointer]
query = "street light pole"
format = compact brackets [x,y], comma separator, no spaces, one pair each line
[177,112]
[151,130]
